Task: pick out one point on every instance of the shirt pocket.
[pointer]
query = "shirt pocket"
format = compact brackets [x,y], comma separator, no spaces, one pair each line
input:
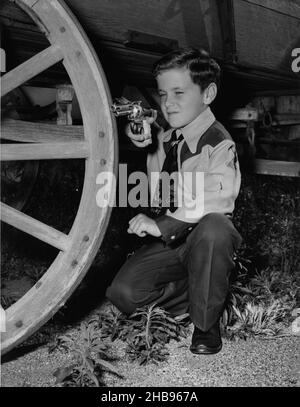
[213,182]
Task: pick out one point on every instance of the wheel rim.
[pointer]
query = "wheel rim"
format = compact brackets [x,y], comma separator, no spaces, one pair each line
[98,147]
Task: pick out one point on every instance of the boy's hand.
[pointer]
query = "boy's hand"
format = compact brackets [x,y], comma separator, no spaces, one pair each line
[141,225]
[141,140]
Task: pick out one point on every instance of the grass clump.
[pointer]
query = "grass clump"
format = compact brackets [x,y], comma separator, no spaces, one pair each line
[257,320]
[89,356]
[265,288]
[262,305]
[146,332]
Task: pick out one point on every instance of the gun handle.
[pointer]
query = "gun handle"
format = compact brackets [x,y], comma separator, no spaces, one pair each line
[147,129]
[140,127]
[137,127]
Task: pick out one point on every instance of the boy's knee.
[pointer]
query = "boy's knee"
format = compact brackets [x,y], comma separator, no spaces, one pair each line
[121,295]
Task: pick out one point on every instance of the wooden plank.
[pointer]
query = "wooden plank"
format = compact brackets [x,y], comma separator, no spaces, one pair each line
[2,60]
[12,11]
[34,227]
[28,132]
[239,120]
[283,168]
[30,3]
[226,17]
[118,60]
[44,151]
[286,119]
[286,104]
[30,68]
[64,98]
[265,38]
[245,114]
[278,92]
[189,22]
[289,8]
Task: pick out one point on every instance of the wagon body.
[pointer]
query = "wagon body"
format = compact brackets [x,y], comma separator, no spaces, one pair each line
[257,35]
[252,39]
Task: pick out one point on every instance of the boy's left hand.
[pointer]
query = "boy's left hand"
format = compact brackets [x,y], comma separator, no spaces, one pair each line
[141,225]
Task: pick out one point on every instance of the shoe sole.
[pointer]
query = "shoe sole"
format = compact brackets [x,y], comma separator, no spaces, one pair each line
[199,351]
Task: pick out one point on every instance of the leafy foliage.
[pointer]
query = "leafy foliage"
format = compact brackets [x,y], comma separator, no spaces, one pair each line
[261,305]
[113,323]
[89,355]
[257,320]
[147,331]
[265,288]
[267,216]
[271,284]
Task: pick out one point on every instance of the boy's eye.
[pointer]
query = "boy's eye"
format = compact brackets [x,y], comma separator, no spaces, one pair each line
[178,92]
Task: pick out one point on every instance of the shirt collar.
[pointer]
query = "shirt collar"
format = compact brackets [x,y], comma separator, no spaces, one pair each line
[194,130]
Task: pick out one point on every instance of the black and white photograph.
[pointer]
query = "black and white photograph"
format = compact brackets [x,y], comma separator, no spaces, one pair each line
[150,168]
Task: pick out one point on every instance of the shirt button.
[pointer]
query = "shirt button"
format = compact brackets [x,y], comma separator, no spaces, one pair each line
[173,237]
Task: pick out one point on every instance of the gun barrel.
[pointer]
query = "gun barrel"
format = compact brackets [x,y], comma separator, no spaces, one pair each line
[121,110]
[133,110]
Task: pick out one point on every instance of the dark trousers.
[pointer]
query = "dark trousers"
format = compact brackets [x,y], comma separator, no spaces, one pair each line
[192,277]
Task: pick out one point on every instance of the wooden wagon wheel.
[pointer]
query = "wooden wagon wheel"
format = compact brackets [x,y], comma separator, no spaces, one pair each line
[97,146]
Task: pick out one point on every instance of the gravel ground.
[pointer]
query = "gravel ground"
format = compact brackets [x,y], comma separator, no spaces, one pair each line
[251,363]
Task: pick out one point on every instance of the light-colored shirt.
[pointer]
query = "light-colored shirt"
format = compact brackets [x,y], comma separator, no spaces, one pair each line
[208,150]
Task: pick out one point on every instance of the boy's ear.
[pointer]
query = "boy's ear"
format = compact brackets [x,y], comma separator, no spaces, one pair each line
[210,93]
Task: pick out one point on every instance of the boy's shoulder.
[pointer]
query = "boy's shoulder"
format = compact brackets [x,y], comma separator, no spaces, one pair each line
[214,135]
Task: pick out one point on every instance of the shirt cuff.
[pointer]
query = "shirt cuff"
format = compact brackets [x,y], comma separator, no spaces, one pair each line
[172,229]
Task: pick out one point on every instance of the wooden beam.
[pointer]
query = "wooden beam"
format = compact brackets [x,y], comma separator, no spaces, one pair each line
[29,132]
[227,23]
[44,151]
[64,98]
[34,227]
[277,92]
[283,168]
[245,114]
[29,69]
[286,119]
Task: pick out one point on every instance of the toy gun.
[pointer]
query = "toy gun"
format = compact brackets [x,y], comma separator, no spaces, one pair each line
[135,113]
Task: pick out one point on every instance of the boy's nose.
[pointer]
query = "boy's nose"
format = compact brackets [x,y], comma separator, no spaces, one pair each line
[169,101]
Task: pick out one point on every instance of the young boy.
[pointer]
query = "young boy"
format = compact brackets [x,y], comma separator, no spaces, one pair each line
[187,267]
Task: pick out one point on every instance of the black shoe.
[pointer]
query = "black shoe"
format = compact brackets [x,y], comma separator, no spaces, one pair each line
[206,343]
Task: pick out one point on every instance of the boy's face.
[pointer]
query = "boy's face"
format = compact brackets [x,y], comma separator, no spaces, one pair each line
[181,99]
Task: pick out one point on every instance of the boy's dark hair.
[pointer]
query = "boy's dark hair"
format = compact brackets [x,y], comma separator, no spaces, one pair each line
[203,69]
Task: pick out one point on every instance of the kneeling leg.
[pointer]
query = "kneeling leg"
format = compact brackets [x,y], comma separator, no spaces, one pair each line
[153,274]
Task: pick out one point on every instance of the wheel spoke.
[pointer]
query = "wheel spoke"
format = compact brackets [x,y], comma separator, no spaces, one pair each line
[34,227]
[18,130]
[44,151]
[29,69]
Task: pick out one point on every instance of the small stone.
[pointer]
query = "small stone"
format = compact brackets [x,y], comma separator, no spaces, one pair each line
[296,312]
[296,326]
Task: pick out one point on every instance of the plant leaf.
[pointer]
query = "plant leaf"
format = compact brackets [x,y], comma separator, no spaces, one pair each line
[63,372]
